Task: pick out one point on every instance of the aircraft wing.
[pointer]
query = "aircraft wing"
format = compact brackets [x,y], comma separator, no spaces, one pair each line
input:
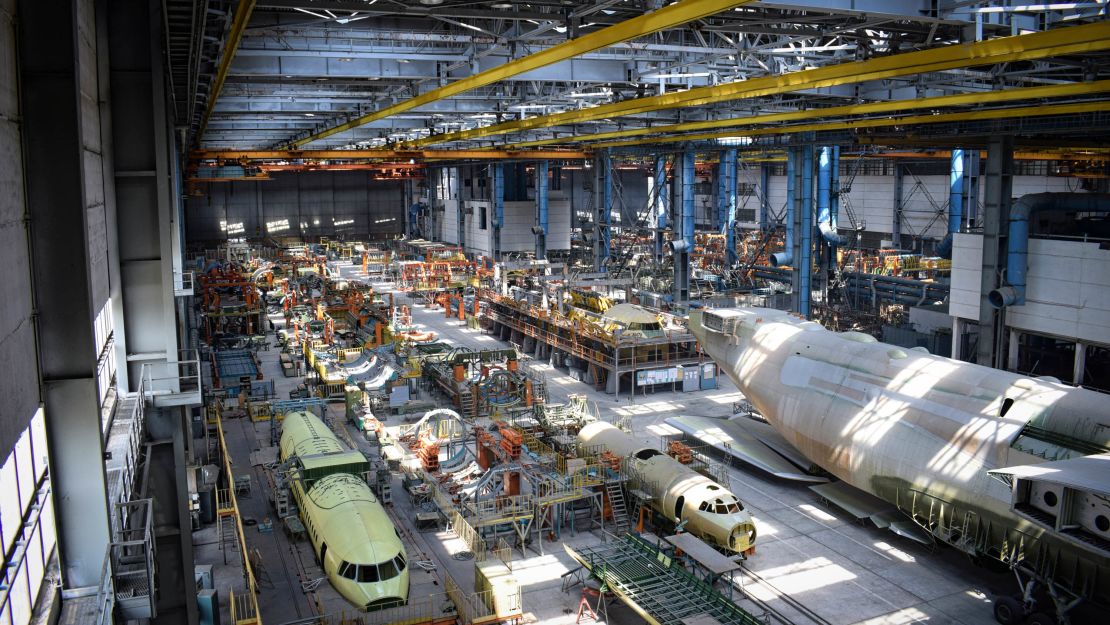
[863,505]
[734,440]
[1085,473]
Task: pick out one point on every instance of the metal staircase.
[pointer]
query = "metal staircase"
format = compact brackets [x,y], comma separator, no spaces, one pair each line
[617,505]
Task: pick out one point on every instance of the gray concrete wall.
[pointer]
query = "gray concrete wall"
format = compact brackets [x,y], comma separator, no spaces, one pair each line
[19,380]
[312,204]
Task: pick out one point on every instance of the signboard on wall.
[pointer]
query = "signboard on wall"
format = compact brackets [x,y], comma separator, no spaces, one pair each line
[651,377]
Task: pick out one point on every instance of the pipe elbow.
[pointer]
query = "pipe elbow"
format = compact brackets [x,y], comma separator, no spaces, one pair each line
[780,259]
[829,233]
[1006,296]
[944,248]
[679,245]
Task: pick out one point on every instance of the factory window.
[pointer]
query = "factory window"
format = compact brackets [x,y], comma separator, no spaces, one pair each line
[482,217]
[367,574]
[26,523]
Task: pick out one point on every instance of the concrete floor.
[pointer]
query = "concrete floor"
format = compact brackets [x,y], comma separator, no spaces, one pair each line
[813,564]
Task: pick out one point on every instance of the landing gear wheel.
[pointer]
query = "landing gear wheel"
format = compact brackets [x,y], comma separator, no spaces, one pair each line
[1041,618]
[1008,610]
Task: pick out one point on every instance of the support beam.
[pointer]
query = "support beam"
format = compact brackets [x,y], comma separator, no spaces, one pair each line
[667,17]
[238,26]
[899,199]
[764,196]
[683,242]
[603,200]
[726,203]
[541,210]
[498,218]
[661,196]
[1057,42]
[64,200]
[998,188]
[802,201]
[1069,90]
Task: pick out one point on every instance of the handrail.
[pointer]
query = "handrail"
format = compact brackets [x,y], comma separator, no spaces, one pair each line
[253,615]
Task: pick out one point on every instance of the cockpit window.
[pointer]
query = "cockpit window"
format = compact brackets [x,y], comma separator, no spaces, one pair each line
[367,574]
[388,569]
[348,570]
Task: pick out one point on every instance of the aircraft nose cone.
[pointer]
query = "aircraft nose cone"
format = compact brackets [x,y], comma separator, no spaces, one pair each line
[694,324]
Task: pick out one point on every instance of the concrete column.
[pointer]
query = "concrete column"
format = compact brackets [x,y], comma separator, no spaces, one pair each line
[998,189]
[1080,365]
[1012,350]
[957,330]
[64,198]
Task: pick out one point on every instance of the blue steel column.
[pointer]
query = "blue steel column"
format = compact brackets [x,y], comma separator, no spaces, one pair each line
[955,202]
[971,186]
[764,197]
[786,256]
[726,203]
[661,200]
[498,208]
[802,277]
[684,240]
[828,202]
[541,209]
[604,189]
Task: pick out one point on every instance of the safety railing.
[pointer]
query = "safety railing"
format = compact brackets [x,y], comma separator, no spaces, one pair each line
[175,382]
[97,602]
[133,560]
[457,523]
[494,510]
[243,606]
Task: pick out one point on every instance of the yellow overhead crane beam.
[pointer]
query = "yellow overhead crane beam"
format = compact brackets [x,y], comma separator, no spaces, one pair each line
[262,155]
[909,120]
[1061,41]
[1025,93]
[234,37]
[662,19]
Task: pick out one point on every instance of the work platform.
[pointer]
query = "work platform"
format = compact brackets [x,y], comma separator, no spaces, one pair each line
[611,360]
[651,583]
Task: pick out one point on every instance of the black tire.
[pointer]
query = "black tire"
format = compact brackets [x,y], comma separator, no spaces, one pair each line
[1008,610]
[1041,618]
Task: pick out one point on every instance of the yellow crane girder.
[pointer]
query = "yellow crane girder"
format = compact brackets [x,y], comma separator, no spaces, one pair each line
[909,120]
[662,19]
[234,37]
[1061,41]
[963,99]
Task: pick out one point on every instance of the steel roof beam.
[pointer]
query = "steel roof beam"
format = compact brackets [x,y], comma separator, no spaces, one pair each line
[238,24]
[667,17]
[1071,40]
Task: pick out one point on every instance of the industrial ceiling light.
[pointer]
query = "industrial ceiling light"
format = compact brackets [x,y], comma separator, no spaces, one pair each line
[431,3]
[501,5]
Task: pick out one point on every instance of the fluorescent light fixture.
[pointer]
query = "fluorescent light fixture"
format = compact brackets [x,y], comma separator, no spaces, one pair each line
[316,222]
[501,5]
[310,114]
[342,222]
[431,3]
[382,221]
[277,226]
[596,94]
[522,107]
[465,25]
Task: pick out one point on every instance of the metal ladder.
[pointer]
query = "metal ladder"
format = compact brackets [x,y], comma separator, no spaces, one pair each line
[617,506]
[229,539]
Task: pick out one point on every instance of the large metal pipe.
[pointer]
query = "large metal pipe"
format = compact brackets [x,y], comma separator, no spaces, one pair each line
[726,203]
[955,203]
[661,208]
[1017,253]
[786,256]
[805,248]
[826,220]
